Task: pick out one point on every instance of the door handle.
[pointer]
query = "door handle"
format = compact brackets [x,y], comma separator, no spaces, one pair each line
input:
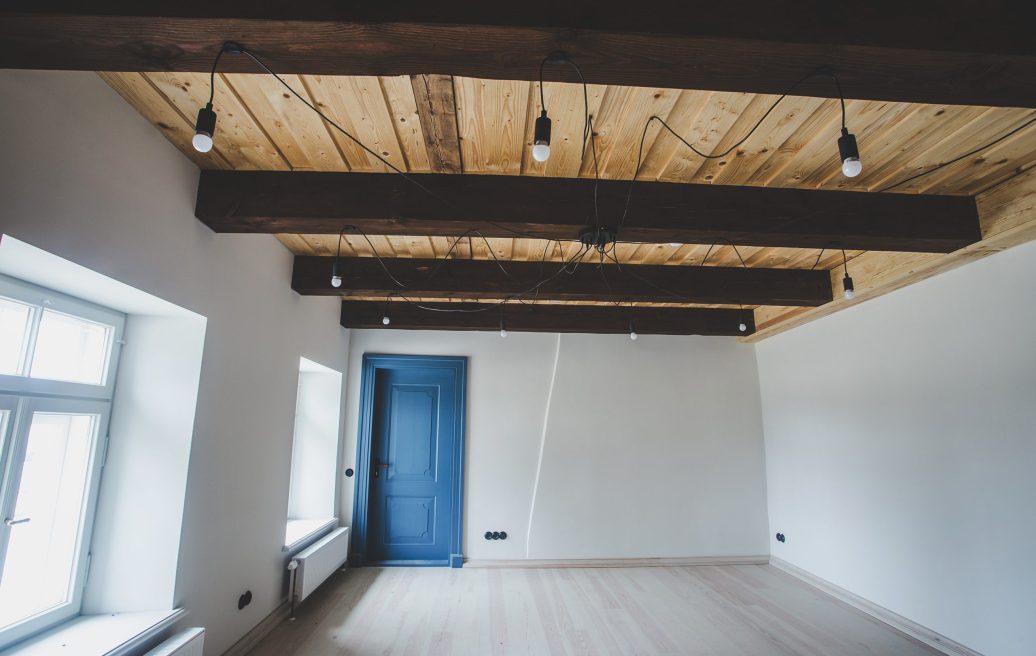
[379,465]
[15,522]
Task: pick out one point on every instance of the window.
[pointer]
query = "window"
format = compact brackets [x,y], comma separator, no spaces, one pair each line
[314,453]
[57,373]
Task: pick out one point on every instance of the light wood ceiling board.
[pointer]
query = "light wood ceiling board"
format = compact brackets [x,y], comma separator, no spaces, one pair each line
[902,135]
[437,110]
[817,159]
[521,249]
[775,130]
[142,95]
[919,131]
[883,145]
[712,169]
[619,126]
[867,121]
[825,119]
[359,106]
[566,109]
[713,128]
[683,118]
[241,141]
[985,168]
[399,95]
[296,244]
[1007,214]
[299,134]
[491,120]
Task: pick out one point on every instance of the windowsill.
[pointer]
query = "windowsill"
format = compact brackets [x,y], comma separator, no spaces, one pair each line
[115,634]
[301,531]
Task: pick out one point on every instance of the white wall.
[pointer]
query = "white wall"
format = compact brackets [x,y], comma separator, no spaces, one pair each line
[649,448]
[901,450]
[85,177]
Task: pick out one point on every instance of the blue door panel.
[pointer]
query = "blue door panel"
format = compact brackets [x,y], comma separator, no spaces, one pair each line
[414,426]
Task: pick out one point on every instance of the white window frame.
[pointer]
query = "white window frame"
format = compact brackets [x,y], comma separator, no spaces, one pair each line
[22,396]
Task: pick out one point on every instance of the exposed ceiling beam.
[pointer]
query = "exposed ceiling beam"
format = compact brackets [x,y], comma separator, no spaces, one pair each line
[558,208]
[437,111]
[925,51]
[486,279]
[540,318]
[1008,217]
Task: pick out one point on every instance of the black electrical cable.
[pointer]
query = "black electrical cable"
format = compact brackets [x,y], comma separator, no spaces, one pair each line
[736,145]
[819,255]
[212,75]
[957,159]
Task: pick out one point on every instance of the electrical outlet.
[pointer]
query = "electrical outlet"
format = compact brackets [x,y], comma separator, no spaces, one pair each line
[780,537]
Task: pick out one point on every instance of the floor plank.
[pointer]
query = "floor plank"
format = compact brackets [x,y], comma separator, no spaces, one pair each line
[735,610]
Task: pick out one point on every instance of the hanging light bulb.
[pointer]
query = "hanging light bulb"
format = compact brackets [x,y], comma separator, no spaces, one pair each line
[503,328]
[541,138]
[847,281]
[336,277]
[204,128]
[847,287]
[633,333]
[850,153]
[742,326]
[385,320]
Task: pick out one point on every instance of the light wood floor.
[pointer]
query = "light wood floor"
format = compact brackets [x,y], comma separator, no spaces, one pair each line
[735,610]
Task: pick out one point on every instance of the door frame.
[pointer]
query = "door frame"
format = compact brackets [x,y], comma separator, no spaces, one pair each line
[372,363]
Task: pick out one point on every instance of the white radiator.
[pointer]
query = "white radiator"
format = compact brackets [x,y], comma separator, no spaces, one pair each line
[312,566]
[188,642]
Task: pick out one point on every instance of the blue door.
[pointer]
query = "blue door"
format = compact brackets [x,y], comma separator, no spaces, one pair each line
[415,455]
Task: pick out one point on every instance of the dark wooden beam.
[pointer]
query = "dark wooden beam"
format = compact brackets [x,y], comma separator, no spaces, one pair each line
[486,279]
[437,109]
[954,51]
[558,208]
[540,318]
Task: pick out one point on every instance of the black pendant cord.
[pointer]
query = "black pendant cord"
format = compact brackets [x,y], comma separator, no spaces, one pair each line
[588,128]
[212,74]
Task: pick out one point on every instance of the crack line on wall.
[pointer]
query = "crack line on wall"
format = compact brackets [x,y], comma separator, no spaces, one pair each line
[543,442]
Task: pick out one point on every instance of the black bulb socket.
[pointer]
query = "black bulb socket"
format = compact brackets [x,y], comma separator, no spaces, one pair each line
[847,147]
[542,131]
[206,123]
[847,283]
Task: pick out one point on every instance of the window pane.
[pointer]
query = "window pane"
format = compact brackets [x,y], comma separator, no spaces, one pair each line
[40,564]
[15,319]
[72,349]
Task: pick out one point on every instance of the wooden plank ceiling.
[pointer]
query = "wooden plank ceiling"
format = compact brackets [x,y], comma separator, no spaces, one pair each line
[444,124]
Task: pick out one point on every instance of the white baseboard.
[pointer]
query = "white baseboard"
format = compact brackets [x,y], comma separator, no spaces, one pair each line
[247,643]
[895,620]
[618,562]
